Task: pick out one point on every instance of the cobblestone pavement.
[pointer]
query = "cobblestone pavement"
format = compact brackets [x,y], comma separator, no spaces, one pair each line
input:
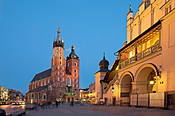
[99,111]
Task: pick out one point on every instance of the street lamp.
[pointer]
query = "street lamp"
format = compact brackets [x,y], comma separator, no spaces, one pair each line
[112,89]
[151,82]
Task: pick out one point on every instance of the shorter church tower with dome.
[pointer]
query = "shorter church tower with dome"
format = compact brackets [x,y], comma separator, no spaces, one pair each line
[99,76]
[61,81]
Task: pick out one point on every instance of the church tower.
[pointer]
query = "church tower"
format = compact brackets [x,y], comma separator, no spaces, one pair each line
[72,69]
[58,59]
[99,75]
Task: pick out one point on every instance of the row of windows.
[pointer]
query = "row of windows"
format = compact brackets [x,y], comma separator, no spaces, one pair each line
[75,64]
[60,79]
[71,82]
[45,82]
[39,83]
[168,9]
[139,47]
[38,96]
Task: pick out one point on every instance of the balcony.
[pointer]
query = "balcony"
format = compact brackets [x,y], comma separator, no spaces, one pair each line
[139,56]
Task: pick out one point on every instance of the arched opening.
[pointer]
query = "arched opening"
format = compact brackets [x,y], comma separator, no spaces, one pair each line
[145,90]
[68,81]
[125,89]
[146,80]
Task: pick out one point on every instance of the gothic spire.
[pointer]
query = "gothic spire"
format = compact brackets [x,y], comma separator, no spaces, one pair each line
[73,48]
[58,42]
[130,8]
[103,64]
[104,55]
[59,33]
[72,55]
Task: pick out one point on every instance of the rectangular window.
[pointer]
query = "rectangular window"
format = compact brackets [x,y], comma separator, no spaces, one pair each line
[170,8]
[148,44]
[143,46]
[130,54]
[139,49]
[172,34]
[166,11]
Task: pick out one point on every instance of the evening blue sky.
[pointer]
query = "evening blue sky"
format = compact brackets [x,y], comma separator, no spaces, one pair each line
[28,28]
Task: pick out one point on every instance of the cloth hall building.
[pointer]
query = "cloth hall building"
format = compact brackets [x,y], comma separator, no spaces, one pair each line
[58,83]
[143,74]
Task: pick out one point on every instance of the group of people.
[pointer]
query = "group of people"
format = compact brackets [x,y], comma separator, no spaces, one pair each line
[57,103]
[51,104]
[48,105]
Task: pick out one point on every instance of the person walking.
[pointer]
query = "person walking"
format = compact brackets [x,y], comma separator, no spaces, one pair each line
[56,104]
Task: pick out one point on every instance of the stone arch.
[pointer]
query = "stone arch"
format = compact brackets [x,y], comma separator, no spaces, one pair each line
[124,74]
[153,66]
[143,77]
[126,87]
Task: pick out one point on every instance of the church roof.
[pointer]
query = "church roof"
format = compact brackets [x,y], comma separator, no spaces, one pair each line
[72,55]
[40,88]
[111,74]
[103,65]
[42,75]
[58,42]
[104,62]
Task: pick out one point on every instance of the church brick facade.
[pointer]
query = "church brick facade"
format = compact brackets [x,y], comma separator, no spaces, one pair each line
[61,81]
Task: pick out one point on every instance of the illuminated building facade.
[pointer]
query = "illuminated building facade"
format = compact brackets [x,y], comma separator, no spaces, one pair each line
[88,94]
[3,94]
[61,81]
[145,72]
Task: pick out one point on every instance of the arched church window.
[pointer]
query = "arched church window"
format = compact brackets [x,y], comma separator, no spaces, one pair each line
[68,81]
[44,97]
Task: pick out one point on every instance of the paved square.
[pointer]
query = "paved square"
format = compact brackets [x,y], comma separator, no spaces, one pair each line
[67,110]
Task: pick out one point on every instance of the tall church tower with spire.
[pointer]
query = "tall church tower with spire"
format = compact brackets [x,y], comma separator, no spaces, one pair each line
[58,59]
[61,81]
[65,71]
